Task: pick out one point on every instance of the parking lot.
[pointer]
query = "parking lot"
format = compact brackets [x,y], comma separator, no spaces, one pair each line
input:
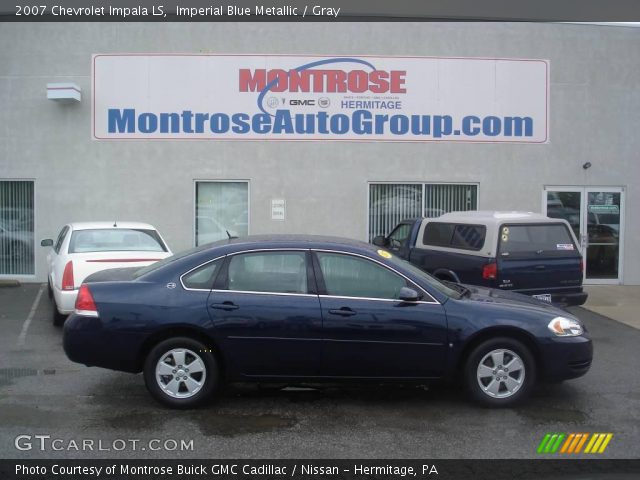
[43,393]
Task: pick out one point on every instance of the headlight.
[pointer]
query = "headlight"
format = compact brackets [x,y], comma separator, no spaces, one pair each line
[564,327]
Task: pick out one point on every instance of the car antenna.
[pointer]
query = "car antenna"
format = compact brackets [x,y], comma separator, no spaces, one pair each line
[115,223]
[229,235]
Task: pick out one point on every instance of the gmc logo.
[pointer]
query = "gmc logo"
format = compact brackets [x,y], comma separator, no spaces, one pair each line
[309,103]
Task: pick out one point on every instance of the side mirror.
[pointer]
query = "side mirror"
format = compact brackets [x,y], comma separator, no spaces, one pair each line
[47,242]
[380,241]
[409,295]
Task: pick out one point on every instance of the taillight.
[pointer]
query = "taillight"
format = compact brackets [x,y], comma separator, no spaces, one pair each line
[490,271]
[85,305]
[67,276]
[582,265]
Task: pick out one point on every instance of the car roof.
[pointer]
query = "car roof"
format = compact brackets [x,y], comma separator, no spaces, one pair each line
[306,241]
[493,217]
[110,225]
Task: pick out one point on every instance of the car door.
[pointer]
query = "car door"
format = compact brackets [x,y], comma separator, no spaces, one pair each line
[368,332]
[267,314]
[399,240]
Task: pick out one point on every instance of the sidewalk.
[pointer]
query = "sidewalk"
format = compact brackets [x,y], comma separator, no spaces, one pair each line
[619,302]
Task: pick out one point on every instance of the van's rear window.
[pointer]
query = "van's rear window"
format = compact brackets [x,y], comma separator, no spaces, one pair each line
[542,239]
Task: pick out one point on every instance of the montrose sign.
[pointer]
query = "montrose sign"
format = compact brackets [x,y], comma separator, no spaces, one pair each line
[284,97]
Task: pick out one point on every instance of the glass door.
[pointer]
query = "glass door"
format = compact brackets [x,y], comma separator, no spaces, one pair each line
[596,217]
[604,208]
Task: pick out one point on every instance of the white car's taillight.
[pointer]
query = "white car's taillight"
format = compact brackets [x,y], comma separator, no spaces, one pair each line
[67,276]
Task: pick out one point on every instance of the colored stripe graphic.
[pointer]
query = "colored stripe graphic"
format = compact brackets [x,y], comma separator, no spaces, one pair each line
[572,443]
[543,443]
[583,439]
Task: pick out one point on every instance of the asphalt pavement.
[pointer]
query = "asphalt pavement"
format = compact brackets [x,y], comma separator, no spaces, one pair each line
[59,409]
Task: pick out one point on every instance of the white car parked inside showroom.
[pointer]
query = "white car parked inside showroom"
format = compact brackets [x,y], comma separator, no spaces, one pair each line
[85,248]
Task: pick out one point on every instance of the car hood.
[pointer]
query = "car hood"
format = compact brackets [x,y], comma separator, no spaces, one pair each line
[501,297]
[113,275]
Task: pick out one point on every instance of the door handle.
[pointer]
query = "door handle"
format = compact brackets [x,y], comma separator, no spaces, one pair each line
[539,267]
[225,306]
[343,312]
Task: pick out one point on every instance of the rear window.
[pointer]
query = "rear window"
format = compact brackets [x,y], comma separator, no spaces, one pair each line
[116,240]
[462,236]
[542,239]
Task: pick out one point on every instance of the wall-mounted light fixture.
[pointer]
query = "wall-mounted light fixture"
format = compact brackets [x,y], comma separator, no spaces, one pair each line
[586,165]
[64,92]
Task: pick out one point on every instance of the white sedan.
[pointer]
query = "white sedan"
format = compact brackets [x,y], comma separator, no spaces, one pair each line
[85,248]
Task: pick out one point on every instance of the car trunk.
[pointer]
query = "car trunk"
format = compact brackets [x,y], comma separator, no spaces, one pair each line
[85,264]
[538,258]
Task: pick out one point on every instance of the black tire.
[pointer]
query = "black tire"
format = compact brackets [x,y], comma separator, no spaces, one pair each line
[211,373]
[57,317]
[49,290]
[503,397]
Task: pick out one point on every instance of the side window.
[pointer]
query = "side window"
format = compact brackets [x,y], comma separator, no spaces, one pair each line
[202,278]
[438,234]
[276,272]
[350,276]
[399,236]
[469,237]
[60,239]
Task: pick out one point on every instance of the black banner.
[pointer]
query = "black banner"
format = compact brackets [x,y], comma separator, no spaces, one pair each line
[322,10]
[318,469]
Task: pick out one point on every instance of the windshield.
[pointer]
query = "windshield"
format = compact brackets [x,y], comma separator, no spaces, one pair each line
[116,240]
[425,277]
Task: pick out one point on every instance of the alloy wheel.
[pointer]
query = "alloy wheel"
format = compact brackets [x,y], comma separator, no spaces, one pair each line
[180,373]
[501,373]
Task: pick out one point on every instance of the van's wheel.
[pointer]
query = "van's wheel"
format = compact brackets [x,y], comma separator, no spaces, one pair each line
[500,372]
[181,372]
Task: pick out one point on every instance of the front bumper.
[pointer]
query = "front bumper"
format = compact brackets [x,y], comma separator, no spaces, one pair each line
[87,341]
[565,358]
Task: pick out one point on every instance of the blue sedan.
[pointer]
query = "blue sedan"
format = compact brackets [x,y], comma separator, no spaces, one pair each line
[290,309]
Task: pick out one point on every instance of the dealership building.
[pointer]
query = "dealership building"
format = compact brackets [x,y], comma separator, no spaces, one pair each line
[319,128]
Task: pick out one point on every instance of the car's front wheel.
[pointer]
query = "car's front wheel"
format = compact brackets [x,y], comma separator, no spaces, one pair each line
[500,372]
[181,372]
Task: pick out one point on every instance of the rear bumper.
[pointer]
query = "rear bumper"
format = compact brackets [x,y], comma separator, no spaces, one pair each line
[566,358]
[564,298]
[65,300]
[86,341]
[569,299]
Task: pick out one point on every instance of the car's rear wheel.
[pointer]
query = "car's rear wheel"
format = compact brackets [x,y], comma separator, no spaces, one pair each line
[57,317]
[500,372]
[181,372]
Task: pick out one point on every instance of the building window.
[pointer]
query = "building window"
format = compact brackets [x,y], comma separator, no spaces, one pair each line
[390,203]
[16,227]
[222,210]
